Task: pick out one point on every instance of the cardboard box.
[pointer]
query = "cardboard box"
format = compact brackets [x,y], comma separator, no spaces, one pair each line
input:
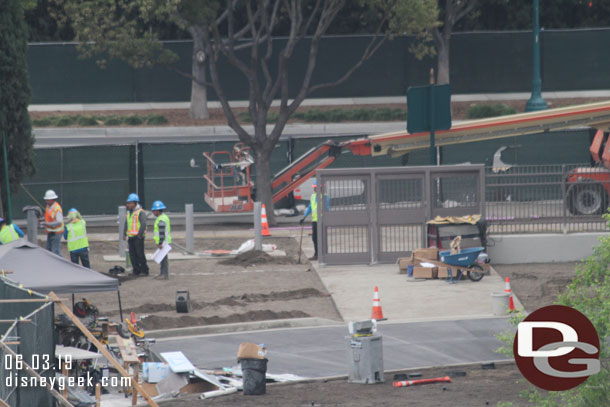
[251,351]
[430,253]
[443,272]
[404,263]
[423,272]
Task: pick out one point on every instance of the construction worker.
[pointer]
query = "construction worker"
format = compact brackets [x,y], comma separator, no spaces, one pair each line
[313,209]
[135,231]
[162,236]
[8,233]
[53,221]
[75,232]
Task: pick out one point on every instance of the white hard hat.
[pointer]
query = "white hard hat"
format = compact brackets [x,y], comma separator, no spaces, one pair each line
[50,194]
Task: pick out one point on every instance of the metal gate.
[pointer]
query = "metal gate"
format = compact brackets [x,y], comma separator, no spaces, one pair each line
[375,215]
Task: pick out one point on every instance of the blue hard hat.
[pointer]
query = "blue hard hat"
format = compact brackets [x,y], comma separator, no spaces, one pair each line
[2,220]
[315,182]
[157,206]
[133,198]
[73,210]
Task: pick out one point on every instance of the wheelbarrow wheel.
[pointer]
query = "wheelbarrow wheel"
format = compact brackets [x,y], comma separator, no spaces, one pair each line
[475,272]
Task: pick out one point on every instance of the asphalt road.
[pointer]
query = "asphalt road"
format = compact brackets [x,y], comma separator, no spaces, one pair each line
[321,351]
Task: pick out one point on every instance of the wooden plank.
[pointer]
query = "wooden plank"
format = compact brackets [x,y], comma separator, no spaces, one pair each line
[35,374]
[4,403]
[128,350]
[101,348]
[25,300]
[13,320]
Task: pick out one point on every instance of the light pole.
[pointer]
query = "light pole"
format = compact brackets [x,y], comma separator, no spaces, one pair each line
[536,102]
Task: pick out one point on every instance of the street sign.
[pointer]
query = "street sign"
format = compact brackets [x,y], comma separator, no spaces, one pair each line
[428,108]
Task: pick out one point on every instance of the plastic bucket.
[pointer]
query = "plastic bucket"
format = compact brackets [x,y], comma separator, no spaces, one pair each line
[254,372]
[499,303]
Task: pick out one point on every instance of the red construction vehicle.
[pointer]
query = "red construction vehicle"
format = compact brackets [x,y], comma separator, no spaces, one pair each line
[589,187]
[230,187]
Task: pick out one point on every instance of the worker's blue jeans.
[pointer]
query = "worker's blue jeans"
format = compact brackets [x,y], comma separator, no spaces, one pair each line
[53,240]
[83,255]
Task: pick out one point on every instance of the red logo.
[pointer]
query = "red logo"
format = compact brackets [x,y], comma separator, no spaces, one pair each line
[556,348]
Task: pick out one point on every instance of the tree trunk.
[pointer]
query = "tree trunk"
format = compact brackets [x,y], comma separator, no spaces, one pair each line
[264,193]
[199,94]
[443,61]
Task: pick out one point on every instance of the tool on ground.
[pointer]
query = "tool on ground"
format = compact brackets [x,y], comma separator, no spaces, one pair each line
[377,311]
[301,244]
[406,383]
[133,327]
[264,223]
[183,301]
[511,302]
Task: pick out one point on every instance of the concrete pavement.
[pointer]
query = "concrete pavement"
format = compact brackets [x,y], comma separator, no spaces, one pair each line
[322,351]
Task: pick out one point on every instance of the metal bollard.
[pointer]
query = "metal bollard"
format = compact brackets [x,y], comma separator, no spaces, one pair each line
[122,220]
[189,223]
[258,228]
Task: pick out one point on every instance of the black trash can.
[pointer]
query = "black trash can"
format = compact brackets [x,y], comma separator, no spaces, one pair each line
[254,373]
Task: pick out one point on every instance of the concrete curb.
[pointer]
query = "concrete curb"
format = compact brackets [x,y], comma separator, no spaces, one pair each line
[167,334]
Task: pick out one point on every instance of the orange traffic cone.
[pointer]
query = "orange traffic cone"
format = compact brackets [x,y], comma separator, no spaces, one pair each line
[377,312]
[264,223]
[511,302]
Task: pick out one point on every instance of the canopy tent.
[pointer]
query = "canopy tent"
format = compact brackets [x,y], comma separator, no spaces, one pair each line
[40,270]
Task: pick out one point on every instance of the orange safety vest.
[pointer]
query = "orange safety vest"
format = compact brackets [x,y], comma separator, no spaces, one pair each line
[49,216]
[133,223]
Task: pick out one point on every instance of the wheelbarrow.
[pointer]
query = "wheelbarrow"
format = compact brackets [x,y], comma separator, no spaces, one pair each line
[466,260]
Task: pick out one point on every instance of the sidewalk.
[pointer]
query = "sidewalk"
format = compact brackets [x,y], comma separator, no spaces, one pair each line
[315,102]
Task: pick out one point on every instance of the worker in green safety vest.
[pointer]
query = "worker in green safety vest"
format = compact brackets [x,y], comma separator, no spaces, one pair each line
[313,209]
[75,233]
[9,233]
[162,236]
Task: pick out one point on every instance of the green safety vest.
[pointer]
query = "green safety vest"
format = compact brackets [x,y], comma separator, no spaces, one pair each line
[168,237]
[314,207]
[77,235]
[133,222]
[8,234]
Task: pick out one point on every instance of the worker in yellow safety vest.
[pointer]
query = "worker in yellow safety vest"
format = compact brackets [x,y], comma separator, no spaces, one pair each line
[53,221]
[135,232]
[163,236]
[75,233]
[313,209]
[9,233]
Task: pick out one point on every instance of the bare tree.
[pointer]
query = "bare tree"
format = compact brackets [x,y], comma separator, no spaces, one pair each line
[451,12]
[223,35]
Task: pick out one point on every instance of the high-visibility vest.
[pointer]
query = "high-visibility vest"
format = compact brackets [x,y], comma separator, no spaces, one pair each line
[50,215]
[8,234]
[77,235]
[314,207]
[168,237]
[133,222]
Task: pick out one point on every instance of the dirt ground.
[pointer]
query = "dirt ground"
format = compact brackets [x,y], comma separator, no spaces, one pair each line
[479,387]
[257,288]
[180,117]
[537,285]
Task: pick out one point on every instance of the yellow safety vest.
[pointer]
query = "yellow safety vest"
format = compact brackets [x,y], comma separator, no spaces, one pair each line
[77,235]
[314,207]
[168,237]
[133,222]
[8,234]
